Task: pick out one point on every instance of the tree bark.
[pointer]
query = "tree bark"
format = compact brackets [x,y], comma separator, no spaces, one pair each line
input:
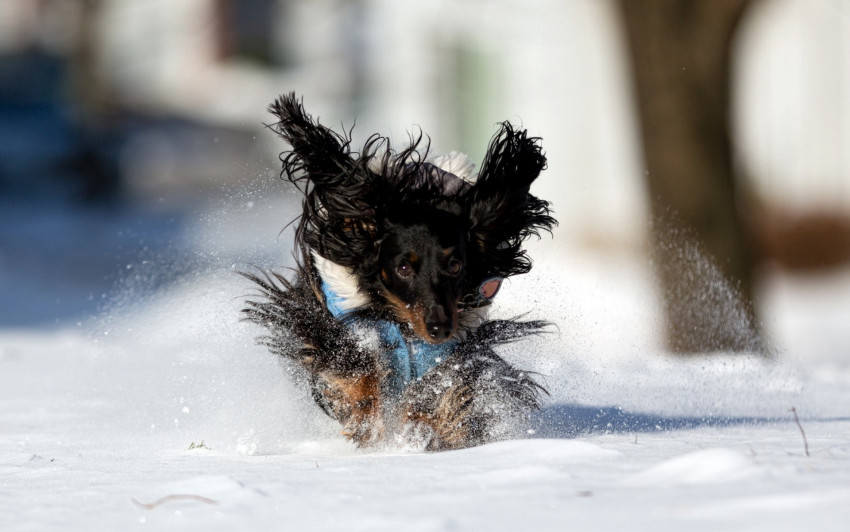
[681,53]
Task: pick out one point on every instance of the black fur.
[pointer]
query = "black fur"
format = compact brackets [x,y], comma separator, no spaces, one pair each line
[420,243]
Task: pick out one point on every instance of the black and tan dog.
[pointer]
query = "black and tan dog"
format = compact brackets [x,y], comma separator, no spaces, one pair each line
[399,258]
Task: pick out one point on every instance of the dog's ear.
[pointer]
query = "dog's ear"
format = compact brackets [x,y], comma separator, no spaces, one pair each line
[323,157]
[338,219]
[502,213]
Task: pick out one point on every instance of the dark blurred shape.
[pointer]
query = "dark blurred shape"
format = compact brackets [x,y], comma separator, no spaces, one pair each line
[58,136]
[94,110]
[97,190]
[36,136]
[246,29]
[681,51]
[803,241]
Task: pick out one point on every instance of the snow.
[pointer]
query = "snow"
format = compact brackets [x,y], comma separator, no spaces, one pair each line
[97,415]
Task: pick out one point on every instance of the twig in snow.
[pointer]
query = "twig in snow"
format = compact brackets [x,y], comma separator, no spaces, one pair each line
[171,498]
[201,445]
[752,451]
[799,426]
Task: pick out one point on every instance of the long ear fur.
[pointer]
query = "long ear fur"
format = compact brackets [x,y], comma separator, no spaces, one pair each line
[339,216]
[347,194]
[501,210]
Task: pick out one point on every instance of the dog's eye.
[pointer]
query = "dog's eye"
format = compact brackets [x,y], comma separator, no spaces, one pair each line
[404,270]
[454,267]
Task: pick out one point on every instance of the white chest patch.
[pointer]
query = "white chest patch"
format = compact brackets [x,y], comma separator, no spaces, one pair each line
[342,282]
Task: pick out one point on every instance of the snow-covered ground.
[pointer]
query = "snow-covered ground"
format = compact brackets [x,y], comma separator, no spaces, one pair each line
[158,411]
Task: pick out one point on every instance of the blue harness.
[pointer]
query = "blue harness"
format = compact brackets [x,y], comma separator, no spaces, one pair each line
[408,360]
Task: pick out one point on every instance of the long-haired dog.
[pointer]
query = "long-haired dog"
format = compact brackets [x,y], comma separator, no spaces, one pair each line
[399,256]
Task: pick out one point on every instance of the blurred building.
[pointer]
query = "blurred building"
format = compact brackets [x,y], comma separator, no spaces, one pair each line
[208,68]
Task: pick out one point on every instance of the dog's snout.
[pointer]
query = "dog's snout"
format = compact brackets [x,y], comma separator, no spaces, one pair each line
[438,324]
[439,331]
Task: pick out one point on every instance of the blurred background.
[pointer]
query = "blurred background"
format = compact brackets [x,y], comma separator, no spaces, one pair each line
[129,128]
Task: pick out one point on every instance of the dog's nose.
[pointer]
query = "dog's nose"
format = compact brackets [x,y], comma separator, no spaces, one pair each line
[439,325]
[439,331]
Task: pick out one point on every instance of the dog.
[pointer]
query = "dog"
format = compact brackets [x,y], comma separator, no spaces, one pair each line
[399,256]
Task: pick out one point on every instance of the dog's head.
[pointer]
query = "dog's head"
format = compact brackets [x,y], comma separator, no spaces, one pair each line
[424,244]
[422,260]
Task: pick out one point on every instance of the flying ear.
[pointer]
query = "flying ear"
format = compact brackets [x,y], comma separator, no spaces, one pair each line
[338,219]
[501,210]
[321,156]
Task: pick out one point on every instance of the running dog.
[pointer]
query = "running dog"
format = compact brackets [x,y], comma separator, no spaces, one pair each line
[399,256]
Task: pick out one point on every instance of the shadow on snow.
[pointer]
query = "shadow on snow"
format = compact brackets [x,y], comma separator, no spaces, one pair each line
[572,420]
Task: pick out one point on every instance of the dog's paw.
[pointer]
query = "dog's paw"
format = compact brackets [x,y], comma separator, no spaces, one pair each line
[365,432]
[444,420]
[355,401]
[453,420]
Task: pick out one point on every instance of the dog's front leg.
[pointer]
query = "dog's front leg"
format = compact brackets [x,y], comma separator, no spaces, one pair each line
[355,401]
[472,398]
[437,410]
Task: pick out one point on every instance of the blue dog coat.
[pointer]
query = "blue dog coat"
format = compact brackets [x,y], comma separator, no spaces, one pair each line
[408,360]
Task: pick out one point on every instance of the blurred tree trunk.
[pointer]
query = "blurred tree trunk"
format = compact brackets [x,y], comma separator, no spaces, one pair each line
[93,106]
[681,52]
